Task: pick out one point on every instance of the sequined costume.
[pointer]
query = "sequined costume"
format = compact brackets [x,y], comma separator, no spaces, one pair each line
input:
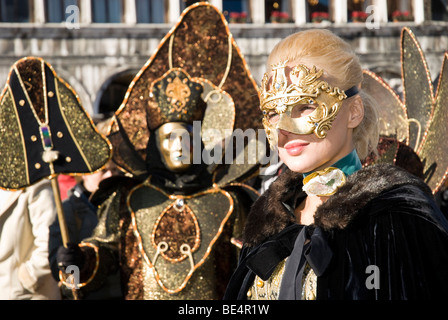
[173,234]
[44,132]
[412,128]
[41,113]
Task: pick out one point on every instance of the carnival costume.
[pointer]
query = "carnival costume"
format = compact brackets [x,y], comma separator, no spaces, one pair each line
[380,235]
[170,233]
[45,132]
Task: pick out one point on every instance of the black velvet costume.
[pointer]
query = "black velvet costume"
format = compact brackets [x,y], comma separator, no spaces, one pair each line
[383,216]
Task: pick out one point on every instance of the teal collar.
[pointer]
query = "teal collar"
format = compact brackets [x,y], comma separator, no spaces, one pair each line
[349,164]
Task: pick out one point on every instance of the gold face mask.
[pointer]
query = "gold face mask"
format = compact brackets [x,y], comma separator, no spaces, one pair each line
[172,138]
[308,105]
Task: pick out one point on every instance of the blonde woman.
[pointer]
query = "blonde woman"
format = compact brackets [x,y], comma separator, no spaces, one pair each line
[328,228]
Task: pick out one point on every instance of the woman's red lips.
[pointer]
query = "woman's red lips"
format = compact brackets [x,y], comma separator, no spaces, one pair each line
[295,148]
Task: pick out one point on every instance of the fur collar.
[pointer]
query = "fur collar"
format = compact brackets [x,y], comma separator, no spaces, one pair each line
[268,215]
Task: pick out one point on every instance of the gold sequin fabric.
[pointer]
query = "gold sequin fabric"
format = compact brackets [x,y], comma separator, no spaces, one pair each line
[41,114]
[13,168]
[178,97]
[152,212]
[417,84]
[421,113]
[31,73]
[269,289]
[130,224]
[309,283]
[392,112]
[95,148]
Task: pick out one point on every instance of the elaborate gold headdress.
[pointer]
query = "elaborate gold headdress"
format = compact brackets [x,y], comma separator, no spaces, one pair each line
[420,120]
[200,45]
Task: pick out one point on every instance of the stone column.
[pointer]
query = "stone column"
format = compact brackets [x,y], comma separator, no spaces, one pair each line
[85,11]
[129,12]
[339,11]
[217,4]
[421,9]
[173,11]
[299,12]
[39,11]
[381,6]
[257,9]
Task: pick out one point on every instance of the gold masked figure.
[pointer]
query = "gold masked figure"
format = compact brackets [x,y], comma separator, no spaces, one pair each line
[172,226]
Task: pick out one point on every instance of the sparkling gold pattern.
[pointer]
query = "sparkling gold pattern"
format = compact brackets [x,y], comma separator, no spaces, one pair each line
[212,208]
[426,113]
[435,145]
[28,77]
[13,163]
[94,148]
[269,289]
[309,284]
[417,85]
[176,227]
[178,97]
[393,118]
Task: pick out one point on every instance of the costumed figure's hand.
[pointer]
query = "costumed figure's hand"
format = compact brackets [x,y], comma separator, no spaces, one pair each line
[72,255]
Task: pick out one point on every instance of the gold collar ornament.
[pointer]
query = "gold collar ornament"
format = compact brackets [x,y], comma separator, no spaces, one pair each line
[324,182]
[308,105]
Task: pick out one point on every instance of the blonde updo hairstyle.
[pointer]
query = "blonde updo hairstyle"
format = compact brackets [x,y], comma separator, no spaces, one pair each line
[342,69]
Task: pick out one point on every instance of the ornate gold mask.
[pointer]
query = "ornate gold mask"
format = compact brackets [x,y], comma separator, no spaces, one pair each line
[307,105]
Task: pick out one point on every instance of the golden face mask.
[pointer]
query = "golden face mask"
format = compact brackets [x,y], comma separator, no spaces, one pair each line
[172,138]
[307,105]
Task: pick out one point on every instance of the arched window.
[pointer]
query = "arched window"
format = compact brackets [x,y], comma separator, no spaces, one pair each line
[112,92]
[15,11]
